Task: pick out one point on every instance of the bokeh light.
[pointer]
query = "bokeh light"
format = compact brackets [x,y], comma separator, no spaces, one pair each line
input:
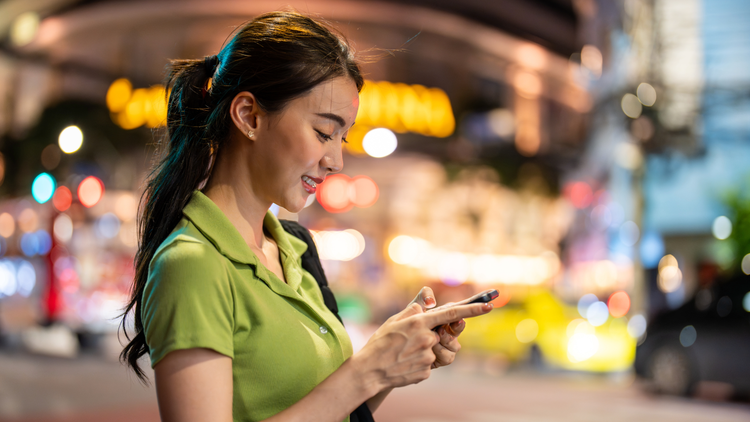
[119,94]
[652,249]
[62,228]
[90,191]
[646,94]
[597,313]
[745,265]
[637,326]
[688,335]
[631,106]
[629,233]
[746,302]
[24,28]
[628,155]
[28,220]
[108,226]
[527,330]
[669,278]
[70,139]
[342,245]
[62,199]
[722,227]
[579,194]
[8,280]
[29,244]
[7,225]
[584,302]
[333,194]
[591,58]
[582,346]
[126,207]
[379,142]
[363,192]
[25,278]
[43,188]
[619,304]
[404,250]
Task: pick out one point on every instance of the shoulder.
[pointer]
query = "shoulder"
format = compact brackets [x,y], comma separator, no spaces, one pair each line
[188,262]
[187,248]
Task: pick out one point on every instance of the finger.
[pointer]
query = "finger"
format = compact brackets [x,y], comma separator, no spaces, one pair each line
[426,298]
[456,328]
[412,309]
[456,313]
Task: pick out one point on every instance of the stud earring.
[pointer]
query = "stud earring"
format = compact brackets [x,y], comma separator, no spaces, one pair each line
[250,134]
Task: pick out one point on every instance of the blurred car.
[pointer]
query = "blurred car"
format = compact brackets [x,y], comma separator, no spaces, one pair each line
[542,329]
[706,339]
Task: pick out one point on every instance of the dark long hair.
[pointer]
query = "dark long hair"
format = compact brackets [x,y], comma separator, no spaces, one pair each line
[277,57]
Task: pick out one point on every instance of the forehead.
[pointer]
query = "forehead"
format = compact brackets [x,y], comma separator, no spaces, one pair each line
[338,96]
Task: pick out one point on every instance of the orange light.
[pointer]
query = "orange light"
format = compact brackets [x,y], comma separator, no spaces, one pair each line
[90,191]
[333,194]
[62,198]
[339,193]
[363,191]
[619,304]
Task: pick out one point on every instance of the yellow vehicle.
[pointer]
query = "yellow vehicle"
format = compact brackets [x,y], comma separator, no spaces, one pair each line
[563,338]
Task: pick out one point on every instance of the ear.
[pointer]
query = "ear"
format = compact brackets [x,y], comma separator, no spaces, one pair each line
[245,111]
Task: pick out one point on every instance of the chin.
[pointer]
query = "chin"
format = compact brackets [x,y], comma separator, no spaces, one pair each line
[294,206]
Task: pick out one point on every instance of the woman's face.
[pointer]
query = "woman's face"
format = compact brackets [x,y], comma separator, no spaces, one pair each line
[298,147]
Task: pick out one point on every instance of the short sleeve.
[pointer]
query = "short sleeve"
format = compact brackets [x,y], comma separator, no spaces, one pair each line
[187,301]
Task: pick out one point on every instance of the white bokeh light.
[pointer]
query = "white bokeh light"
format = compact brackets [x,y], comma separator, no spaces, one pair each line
[379,142]
[71,139]
[722,227]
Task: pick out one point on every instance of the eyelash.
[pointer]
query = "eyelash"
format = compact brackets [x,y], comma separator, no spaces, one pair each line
[329,137]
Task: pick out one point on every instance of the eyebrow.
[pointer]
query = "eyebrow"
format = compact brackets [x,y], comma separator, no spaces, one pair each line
[335,117]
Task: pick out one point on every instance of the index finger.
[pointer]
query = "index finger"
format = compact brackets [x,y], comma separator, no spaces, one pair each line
[456,312]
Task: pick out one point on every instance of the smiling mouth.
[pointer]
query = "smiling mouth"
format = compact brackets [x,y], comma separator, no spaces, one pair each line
[309,184]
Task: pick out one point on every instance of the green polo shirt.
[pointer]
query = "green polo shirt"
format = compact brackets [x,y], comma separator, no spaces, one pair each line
[207,289]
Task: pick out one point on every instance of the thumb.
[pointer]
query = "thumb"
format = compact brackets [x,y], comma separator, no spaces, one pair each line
[413,309]
[425,298]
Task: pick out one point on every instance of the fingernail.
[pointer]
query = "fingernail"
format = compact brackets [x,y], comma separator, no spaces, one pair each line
[488,306]
[429,302]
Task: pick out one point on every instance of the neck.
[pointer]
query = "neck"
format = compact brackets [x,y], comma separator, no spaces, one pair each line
[233,193]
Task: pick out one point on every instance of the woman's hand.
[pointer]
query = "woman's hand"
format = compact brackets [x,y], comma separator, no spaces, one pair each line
[402,350]
[445,350]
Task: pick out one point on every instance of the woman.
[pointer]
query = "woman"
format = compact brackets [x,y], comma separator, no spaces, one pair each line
[234,327]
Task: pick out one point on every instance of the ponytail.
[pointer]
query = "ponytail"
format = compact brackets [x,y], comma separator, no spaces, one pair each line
[184,165]
[278,57]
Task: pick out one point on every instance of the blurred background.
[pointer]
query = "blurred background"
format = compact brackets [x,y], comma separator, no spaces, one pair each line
[586,158]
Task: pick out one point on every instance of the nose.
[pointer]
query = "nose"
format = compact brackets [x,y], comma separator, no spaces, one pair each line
[333,160]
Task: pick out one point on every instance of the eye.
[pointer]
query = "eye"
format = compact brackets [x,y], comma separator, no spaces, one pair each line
[323,135]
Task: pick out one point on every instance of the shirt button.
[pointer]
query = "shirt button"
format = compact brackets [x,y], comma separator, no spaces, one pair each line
[323,330]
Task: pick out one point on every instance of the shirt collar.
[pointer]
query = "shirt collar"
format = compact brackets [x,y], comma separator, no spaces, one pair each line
[216,227]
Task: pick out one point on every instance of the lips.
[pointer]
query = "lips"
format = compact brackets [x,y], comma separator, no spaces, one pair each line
[310,184]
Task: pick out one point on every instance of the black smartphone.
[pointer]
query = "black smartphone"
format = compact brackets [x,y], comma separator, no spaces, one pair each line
[483,297]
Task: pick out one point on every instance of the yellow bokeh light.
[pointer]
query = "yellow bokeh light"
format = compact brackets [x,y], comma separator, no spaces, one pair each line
[119,94]
[646,94]
[406,108]
[631,106]
[24,28]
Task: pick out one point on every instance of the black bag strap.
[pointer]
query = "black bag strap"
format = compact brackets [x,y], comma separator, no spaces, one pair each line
[311,263]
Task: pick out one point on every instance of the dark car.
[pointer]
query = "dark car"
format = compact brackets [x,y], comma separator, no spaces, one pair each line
[706,339]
